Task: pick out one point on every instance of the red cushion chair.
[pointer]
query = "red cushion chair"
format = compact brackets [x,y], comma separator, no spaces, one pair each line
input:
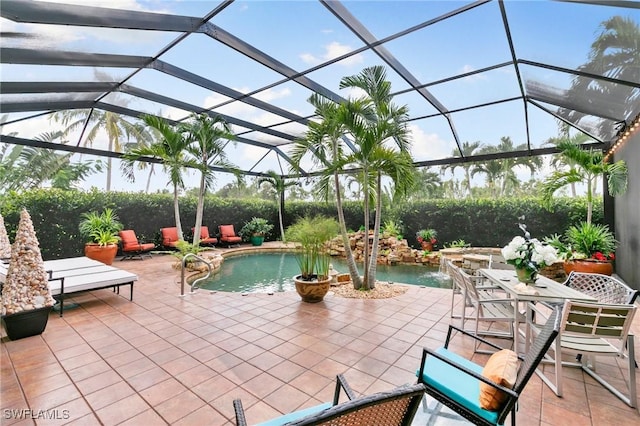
[169,237]
[228,235]
[132,248]
[205,238]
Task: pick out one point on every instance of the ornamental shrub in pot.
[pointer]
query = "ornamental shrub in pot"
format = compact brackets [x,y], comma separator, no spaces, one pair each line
[26,297]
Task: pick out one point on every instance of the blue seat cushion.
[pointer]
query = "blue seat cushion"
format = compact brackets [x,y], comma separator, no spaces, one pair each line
[456,384]
[296,415]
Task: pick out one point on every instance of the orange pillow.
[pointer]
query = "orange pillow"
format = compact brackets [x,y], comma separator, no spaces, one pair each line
[502,368]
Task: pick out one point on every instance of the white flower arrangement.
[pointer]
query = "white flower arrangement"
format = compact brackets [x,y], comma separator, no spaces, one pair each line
[529,254]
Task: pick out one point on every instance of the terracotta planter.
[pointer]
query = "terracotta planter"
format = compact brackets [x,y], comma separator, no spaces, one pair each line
[590,266]
[427,246]
[26,323]
[104,254]
[311,291]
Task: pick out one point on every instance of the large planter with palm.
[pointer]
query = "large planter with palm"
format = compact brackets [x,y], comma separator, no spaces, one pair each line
[101,231]
[310,236]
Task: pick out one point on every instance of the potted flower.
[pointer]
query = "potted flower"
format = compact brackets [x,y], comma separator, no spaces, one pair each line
[255,230]
[427,238]
[310,236]
[101,230]
[587,247]
[26,297]
[528,255]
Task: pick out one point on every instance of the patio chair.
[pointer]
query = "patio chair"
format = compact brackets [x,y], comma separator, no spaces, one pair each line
[590,330]
[132,248]
[605,288]
[488,305]
[395,407]
[169,237]
[205,238]
[228,235]
[456,382]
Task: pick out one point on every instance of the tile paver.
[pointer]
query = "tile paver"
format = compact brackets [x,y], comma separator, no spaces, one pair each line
[166,359]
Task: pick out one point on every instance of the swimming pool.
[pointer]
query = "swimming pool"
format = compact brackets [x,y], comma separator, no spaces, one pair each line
[273,272]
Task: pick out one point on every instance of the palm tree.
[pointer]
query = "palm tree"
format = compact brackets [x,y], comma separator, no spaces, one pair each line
[616,54]
[205,136]
[589,165]
[374,128]
[468,149]
[26,167]
[279,184]
[323,141]
[508,175]
[559,161]
[171,151]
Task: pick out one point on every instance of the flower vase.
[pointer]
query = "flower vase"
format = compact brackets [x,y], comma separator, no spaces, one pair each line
[526,276]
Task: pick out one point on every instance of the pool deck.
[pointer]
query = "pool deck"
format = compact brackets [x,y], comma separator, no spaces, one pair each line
[166,359]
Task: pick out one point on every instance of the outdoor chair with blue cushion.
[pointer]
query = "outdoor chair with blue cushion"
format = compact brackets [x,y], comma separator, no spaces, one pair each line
[395,407]
[466,387]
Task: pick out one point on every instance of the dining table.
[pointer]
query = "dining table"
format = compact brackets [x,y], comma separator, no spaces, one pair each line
[545,290]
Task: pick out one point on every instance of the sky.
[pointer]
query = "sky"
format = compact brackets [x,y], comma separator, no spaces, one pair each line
[304,34]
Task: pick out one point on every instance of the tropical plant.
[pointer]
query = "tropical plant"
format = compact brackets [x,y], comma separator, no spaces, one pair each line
[428,235]
[170,150]
[467,150]
[591,241]
[589,165]
[310,234]
[381,140]
[279,185]
[458,244]
[393,228]
[205,142]
[614,54]
[100,228]
[116,127]
[184,248]
[256,226]
[323,140]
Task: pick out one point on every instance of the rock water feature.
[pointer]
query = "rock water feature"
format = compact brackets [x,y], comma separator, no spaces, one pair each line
[391,250]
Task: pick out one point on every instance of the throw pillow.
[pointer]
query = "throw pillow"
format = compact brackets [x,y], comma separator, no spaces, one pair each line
[502,368]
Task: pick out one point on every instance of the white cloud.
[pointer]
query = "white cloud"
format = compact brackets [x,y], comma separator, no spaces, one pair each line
[471,78]
[428,146]
[332,51]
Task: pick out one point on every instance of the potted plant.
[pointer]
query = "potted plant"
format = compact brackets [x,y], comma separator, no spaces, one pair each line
[528,255]
[310,236]
[586,247]
[255,230]
[26,297]
[101,230]
[427,238]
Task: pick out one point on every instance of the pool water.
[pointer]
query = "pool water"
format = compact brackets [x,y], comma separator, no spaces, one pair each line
[273,272]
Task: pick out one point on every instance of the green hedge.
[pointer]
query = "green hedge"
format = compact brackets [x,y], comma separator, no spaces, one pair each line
[485,222]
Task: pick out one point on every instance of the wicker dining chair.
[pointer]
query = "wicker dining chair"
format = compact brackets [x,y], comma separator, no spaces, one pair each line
[454,381]
[395,407]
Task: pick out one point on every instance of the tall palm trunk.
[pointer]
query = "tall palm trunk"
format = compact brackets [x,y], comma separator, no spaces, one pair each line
[365,185]
[351,262]
[373,262]
[176,212]
[199,211]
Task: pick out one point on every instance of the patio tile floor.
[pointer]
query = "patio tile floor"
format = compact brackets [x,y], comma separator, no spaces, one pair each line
[166,359]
